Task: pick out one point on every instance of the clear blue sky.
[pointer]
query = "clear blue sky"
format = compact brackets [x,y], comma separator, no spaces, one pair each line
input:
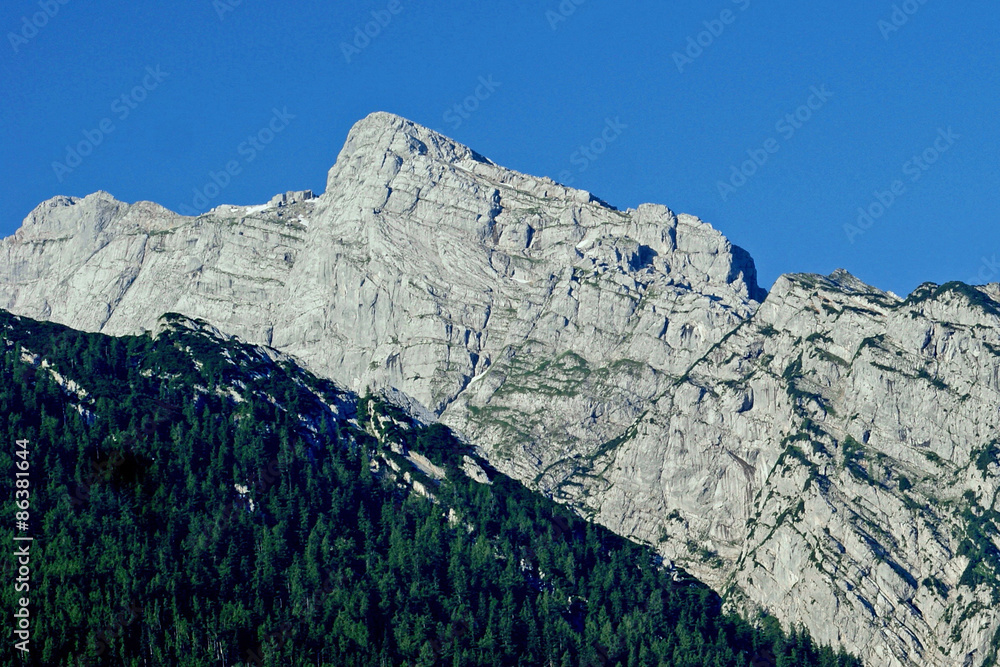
[555,82]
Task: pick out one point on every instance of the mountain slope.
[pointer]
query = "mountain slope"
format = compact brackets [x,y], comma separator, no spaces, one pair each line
[625,362]
[839,453]
[199,501]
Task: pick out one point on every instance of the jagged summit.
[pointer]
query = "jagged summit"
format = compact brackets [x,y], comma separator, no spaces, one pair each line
[849,282]
[381,140]
[840,280]
[383,144]
[389,166]
[382,132]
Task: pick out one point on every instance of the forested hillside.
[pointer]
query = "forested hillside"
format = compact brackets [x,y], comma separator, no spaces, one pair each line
[197,501]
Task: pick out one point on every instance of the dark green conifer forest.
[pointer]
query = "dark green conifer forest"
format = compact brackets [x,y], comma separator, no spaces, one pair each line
[146,553]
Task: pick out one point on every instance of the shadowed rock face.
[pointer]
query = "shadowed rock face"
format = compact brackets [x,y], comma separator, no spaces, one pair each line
[619,360]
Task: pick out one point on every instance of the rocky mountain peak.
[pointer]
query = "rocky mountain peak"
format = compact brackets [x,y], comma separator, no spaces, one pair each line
[850,283]
[382,136]
[63,215]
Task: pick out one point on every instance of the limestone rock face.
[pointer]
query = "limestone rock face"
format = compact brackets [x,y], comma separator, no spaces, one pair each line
[424,268]
[829,453]
[834,461]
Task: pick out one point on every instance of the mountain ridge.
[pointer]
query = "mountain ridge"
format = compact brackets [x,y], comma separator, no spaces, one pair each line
[625,362]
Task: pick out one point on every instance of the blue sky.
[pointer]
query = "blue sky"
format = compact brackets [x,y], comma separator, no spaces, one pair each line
[826,108]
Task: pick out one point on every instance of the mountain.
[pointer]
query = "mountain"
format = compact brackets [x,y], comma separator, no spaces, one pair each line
[200,501]
[826,452]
